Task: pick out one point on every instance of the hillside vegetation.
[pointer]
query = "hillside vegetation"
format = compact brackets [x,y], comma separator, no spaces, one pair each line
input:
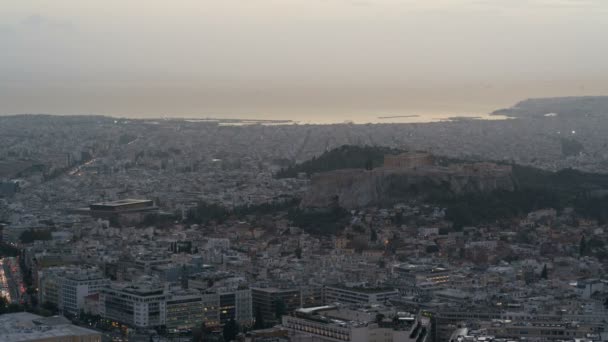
[534,188]
[343,157]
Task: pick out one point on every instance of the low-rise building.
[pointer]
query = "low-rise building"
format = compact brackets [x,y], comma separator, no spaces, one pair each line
[334,324]
[27,327]
[359,295]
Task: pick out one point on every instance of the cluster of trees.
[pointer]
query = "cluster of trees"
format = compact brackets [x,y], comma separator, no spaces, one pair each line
[266,208]
[535,189]
[205,212]
[231,330]
[32,235]
[7,250]
[328,221]
[474,208]
[344,157]
[158,220]
[46,309]
[6,307]
[567,181]
[593,247]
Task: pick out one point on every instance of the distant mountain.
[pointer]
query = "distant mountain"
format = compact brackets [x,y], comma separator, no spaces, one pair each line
[558,106]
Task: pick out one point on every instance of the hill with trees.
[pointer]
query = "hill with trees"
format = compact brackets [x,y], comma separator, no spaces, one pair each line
[533,189]
[343,157]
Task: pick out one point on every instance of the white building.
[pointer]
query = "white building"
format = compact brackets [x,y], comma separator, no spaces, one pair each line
[222,305]
[67,287]
[184,310]
[140,305]
[334,324]
[359,295]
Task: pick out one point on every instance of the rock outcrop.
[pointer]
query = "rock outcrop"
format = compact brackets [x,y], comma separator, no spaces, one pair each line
[355,188]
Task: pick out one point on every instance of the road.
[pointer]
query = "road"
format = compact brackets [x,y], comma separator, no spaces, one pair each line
[11,274]
[4,287]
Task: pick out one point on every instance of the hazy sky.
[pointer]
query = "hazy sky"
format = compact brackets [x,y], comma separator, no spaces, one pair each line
[289,58]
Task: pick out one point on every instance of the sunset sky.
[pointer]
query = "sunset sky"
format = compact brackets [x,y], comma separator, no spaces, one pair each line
[296,58]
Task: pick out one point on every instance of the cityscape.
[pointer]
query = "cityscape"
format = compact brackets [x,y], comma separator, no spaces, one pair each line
[180,230]
[303,171]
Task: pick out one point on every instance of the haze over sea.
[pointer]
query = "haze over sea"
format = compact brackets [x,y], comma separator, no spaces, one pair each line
[338,103]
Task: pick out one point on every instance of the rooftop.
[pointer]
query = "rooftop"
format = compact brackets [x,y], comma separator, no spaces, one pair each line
[24,326]
[121,202]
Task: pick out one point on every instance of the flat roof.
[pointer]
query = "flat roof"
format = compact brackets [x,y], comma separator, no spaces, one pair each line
[125,201]
[274,289]
[315,309]
[25,326]
[367,290]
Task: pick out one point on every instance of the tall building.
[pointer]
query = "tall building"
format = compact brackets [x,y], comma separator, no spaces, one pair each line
[184,310]
[67,287]
[269,300]
[223,305]
[211,309]
[139,305]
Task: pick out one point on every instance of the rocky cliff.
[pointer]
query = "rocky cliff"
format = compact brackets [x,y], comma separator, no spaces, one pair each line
[353,188]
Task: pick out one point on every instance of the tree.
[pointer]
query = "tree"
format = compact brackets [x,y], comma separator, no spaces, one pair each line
[461,253]
[379,317]
[32,235]
[259,319]
[204,213]
[432,249]
[595,243]
[398,219]
[200,333]
[523,236]
[50,307]
[14,307]
[344,157]
[582,247]
[279,309]
[543,274]
[373,235]
[7,250]
[3,305]
[231,329]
